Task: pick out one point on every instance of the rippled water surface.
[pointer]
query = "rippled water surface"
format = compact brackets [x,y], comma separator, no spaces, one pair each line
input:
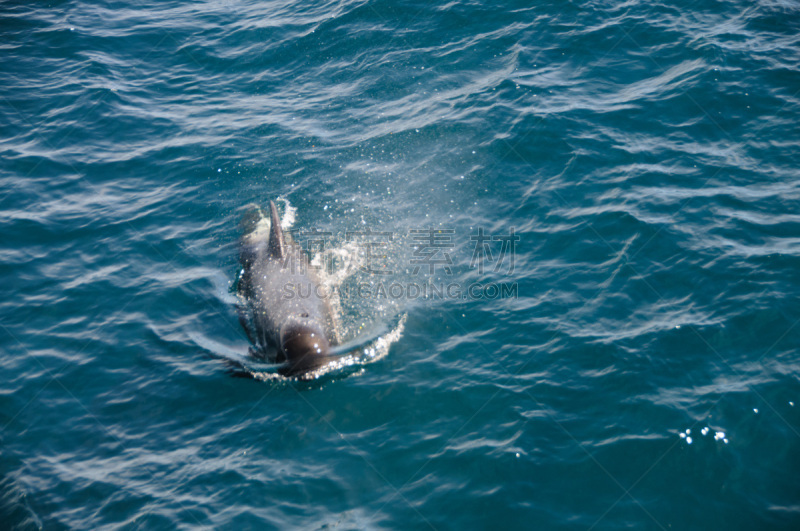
[644,371]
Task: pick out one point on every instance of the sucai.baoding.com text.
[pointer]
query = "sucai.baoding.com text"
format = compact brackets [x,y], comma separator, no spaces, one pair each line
[406,290]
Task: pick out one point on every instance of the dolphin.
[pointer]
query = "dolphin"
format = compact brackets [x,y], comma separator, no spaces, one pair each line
[285,315]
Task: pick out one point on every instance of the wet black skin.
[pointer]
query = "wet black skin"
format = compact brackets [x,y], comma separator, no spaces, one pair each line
[285,314]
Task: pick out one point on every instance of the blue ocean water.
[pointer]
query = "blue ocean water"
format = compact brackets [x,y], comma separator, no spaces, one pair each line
[629,172]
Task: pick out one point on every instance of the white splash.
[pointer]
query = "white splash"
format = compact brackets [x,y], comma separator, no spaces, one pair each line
[289,213]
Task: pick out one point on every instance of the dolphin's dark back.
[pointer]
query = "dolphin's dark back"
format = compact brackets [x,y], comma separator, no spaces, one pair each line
[277,244]
[287,314]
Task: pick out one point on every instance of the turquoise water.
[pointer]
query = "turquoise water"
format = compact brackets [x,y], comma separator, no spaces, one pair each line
[645,154]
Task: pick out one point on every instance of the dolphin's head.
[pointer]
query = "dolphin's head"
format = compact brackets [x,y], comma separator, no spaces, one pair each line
[305,346]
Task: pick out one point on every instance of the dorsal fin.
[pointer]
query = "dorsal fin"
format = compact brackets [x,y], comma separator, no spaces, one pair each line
[276,247]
